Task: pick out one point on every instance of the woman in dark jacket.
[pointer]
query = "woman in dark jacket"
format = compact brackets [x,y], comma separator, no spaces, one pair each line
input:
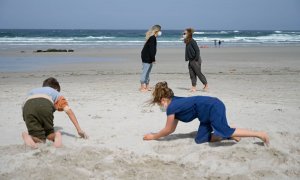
[192,54]
[148,56]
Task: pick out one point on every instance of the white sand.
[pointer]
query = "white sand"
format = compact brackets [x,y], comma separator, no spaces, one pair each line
[260,87]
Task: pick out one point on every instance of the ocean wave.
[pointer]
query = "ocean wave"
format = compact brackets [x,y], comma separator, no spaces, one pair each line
[137,37]
[99,37]
[275,38]
[211,32]
[199,32]
[292,32]
[223,32]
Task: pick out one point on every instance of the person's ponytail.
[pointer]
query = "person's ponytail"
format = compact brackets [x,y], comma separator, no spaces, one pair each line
[161,91]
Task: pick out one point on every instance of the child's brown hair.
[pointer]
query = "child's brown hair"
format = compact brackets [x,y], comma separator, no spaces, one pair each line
[161,91]
[51,82]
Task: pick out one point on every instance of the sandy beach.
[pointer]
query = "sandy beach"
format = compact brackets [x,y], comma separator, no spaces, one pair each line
[259,85]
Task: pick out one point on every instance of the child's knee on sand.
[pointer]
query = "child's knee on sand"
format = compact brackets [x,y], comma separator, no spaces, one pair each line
[32,141]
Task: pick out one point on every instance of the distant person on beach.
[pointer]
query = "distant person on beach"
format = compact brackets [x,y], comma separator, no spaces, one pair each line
[38,110]
[220,42]
[192,55]
[209,110]
[148,56]
[215,42]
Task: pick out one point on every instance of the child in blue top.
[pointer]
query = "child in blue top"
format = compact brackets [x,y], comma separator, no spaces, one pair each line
[209,110]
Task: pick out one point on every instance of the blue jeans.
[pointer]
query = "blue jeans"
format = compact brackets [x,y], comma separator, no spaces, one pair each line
[145,79]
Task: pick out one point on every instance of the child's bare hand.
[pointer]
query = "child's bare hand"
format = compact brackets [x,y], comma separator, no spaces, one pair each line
[82,134]
[148,137]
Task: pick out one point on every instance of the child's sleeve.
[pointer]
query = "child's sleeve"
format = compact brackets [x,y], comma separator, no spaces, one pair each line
[61,104]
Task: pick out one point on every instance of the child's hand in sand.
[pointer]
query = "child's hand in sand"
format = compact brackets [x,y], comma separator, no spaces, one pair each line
[148,137]
[82,134]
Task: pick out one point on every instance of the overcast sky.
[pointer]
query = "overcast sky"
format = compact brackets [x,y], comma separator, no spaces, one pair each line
[140,14]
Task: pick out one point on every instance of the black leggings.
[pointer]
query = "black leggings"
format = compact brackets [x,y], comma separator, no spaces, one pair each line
[195,70]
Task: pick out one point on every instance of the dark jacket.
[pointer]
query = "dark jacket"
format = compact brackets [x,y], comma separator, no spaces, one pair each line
[192,51]
[149,50]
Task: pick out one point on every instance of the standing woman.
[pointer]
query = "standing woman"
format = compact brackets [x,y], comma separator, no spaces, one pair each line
[148,56]
[192,54]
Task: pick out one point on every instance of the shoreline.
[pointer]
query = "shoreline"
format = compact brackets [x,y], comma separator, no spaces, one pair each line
[212,57]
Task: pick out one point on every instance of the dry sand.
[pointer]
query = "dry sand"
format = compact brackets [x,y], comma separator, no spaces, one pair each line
[259,85]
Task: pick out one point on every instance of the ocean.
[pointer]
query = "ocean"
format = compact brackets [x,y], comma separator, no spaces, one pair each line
[16,38]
